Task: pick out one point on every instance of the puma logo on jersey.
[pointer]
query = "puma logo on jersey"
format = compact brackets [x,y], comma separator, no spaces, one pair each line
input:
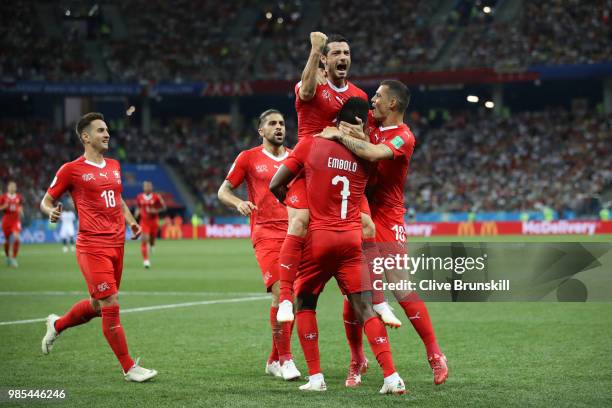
[286,266]
[105,175]
[415,317]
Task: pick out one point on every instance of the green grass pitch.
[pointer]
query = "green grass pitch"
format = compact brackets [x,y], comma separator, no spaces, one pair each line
[213,354]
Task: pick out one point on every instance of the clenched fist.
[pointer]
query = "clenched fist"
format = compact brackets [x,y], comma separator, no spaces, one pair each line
[318,40]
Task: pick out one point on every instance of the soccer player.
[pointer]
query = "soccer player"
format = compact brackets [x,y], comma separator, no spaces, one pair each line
[67,232]
[392,146]
[94,182]
[335,181]
[268,225]
[317,106]
[149,206]
[12,205]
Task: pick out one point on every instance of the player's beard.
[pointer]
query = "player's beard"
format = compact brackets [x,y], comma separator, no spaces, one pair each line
[274,141]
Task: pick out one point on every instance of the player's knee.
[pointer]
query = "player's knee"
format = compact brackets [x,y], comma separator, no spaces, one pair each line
[368,229]
[112,300]
[95,304]
[306,301]
[362,305]
[275,292]
[298,222]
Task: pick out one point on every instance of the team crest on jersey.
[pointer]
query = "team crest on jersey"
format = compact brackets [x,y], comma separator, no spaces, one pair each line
[87,177]
[310,336]
[326,94]
[267,277]
[261,168]
[293,199]
[103,287]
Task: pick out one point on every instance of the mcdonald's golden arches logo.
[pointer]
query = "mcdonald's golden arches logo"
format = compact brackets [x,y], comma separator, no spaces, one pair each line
[488,228]
[467,228]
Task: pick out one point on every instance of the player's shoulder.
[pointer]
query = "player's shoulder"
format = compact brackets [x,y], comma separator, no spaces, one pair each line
[356,91]
[112,162]
[405,129]
[71,165]
[246,155]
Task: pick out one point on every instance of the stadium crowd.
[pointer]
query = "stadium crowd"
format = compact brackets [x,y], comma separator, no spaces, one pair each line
[27,53]
[549,32]
[198,41]
[468,162]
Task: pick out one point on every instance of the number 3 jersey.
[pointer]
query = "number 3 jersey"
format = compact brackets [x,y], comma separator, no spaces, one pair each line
[335,183]
[96,192]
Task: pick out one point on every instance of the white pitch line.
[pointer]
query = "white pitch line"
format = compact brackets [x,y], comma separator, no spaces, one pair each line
[128,293]
[157,307]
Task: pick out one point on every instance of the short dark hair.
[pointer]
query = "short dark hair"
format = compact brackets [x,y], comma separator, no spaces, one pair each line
[85,121]
[398,91]
[265,114]
[353,107]
[333,38]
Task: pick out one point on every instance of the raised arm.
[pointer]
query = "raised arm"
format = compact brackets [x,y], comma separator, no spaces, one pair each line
[311,70]
[226,196]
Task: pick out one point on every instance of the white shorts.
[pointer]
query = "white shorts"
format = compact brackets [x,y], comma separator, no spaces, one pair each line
[66,233]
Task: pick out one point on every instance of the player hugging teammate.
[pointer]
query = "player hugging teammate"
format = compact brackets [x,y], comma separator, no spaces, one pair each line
[303,264]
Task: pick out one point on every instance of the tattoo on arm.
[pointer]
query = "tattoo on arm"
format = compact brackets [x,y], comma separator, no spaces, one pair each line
[354,145]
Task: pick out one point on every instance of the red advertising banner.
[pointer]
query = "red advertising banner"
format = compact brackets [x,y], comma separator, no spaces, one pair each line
[509,228]
[418,229]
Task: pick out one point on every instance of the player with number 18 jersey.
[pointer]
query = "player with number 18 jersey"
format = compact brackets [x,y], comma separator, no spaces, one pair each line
[387,193]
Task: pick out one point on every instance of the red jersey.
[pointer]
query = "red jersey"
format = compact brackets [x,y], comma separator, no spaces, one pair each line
[321,111]
[147,202]
[388,190]
[335,182]
[13,211]
[257,166]
[96,192]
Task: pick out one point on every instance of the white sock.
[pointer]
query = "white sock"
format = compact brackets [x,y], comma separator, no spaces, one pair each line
[392,379]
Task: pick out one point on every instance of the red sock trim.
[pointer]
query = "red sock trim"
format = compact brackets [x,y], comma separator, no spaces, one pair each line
[379,343]
[308,333]
[115,336]
[354,332]
[417,313]
[80,313]
[289,261]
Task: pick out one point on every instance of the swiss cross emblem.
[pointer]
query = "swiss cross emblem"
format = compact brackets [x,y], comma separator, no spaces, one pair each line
[326,95]
[380,340]
[310,336]
[104,286]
